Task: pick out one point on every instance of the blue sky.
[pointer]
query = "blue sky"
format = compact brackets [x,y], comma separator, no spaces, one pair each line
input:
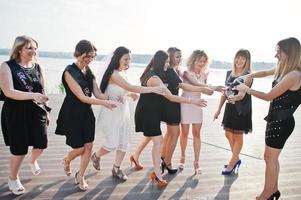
[220,27]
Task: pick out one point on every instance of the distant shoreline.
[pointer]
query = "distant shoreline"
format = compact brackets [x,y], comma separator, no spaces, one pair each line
[143,59]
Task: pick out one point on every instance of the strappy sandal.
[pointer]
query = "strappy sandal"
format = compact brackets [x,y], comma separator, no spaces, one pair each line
[95,161]
[15,186]
[182,161]
[35,168]
[118,173]
[81,182]
[67,167]
[197,169]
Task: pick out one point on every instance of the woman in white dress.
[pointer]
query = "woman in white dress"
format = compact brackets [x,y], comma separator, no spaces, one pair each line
[115,126]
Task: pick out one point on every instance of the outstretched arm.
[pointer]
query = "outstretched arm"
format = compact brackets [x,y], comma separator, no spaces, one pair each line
[120,81]
[290,81]
[156,81]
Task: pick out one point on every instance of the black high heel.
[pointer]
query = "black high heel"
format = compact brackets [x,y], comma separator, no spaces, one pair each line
[275,195]
[170,170]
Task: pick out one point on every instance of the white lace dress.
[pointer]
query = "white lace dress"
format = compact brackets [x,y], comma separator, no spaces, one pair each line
[114,125]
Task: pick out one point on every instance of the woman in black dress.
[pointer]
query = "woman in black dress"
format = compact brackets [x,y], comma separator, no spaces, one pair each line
[285,97]
[150,110]
[24,116]
[76,119]
[237,118]
[171,114]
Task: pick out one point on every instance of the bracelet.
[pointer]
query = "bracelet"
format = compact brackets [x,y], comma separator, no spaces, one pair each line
[108,97]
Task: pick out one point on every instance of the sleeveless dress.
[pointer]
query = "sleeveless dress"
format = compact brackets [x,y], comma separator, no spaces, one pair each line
[280,119]
[76,119]
[192,114]
[172,110]
[114,125]
[149,111]
[238,116]
[23,121]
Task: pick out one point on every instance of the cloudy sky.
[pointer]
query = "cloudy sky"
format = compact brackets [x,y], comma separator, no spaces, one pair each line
[220,27]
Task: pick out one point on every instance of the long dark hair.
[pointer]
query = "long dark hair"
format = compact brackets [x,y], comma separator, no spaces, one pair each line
[156,64]
[114,64]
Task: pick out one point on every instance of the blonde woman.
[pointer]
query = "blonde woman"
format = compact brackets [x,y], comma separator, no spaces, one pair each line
[285,97]
[237,118]
[196,74]
[171,114]
[150,109]
[24,116]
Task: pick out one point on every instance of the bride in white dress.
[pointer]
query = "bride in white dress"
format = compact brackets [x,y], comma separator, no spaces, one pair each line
[115,125]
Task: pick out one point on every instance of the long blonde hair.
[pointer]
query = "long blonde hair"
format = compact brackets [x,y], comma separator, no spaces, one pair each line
[197,55]
[291,47]
[246,54]
[19,43]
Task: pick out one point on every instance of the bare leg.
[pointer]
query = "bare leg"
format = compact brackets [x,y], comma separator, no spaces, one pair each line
[14,165]
[166,138]
[156,154]
[174,132]
[119,157]
[183,141]
[236,149]
[141,146]
[271,156]
[101,152]
[230,139]
[74,153]
[85,158]
[35,153]
[196,132]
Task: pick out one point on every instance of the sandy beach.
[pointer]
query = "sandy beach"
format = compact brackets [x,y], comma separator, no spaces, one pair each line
[53,184]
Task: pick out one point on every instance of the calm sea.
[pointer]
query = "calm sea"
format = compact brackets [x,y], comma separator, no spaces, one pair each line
[54,68]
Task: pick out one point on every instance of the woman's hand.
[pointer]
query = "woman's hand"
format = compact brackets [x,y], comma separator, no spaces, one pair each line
[47,119]
[199,102]
[218,88]
[40,98]
[134,96]
[242,88]
[216,114]
[161,90]
[207,90]
[109,105]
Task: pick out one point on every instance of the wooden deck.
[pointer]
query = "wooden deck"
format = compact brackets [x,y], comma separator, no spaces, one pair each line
[53,184]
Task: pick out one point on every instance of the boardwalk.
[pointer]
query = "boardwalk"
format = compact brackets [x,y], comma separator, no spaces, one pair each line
[53,184]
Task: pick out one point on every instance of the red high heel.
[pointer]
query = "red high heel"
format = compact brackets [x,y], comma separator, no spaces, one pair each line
[138,165]
[161,183]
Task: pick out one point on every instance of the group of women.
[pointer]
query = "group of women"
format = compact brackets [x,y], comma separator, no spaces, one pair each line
[25,113]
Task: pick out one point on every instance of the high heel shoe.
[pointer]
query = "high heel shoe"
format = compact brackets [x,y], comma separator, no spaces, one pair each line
[168,167]
[275,195]
[82,184]
[182,163]
[15,186]
[95,161]
[197,169]
[236,166]
[138,165]
[161,183]
[67,167]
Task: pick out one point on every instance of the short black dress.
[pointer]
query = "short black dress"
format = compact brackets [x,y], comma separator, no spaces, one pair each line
[238,116]
[280,119]
[172,110]
[149,110]
[76,119]
[24,122]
